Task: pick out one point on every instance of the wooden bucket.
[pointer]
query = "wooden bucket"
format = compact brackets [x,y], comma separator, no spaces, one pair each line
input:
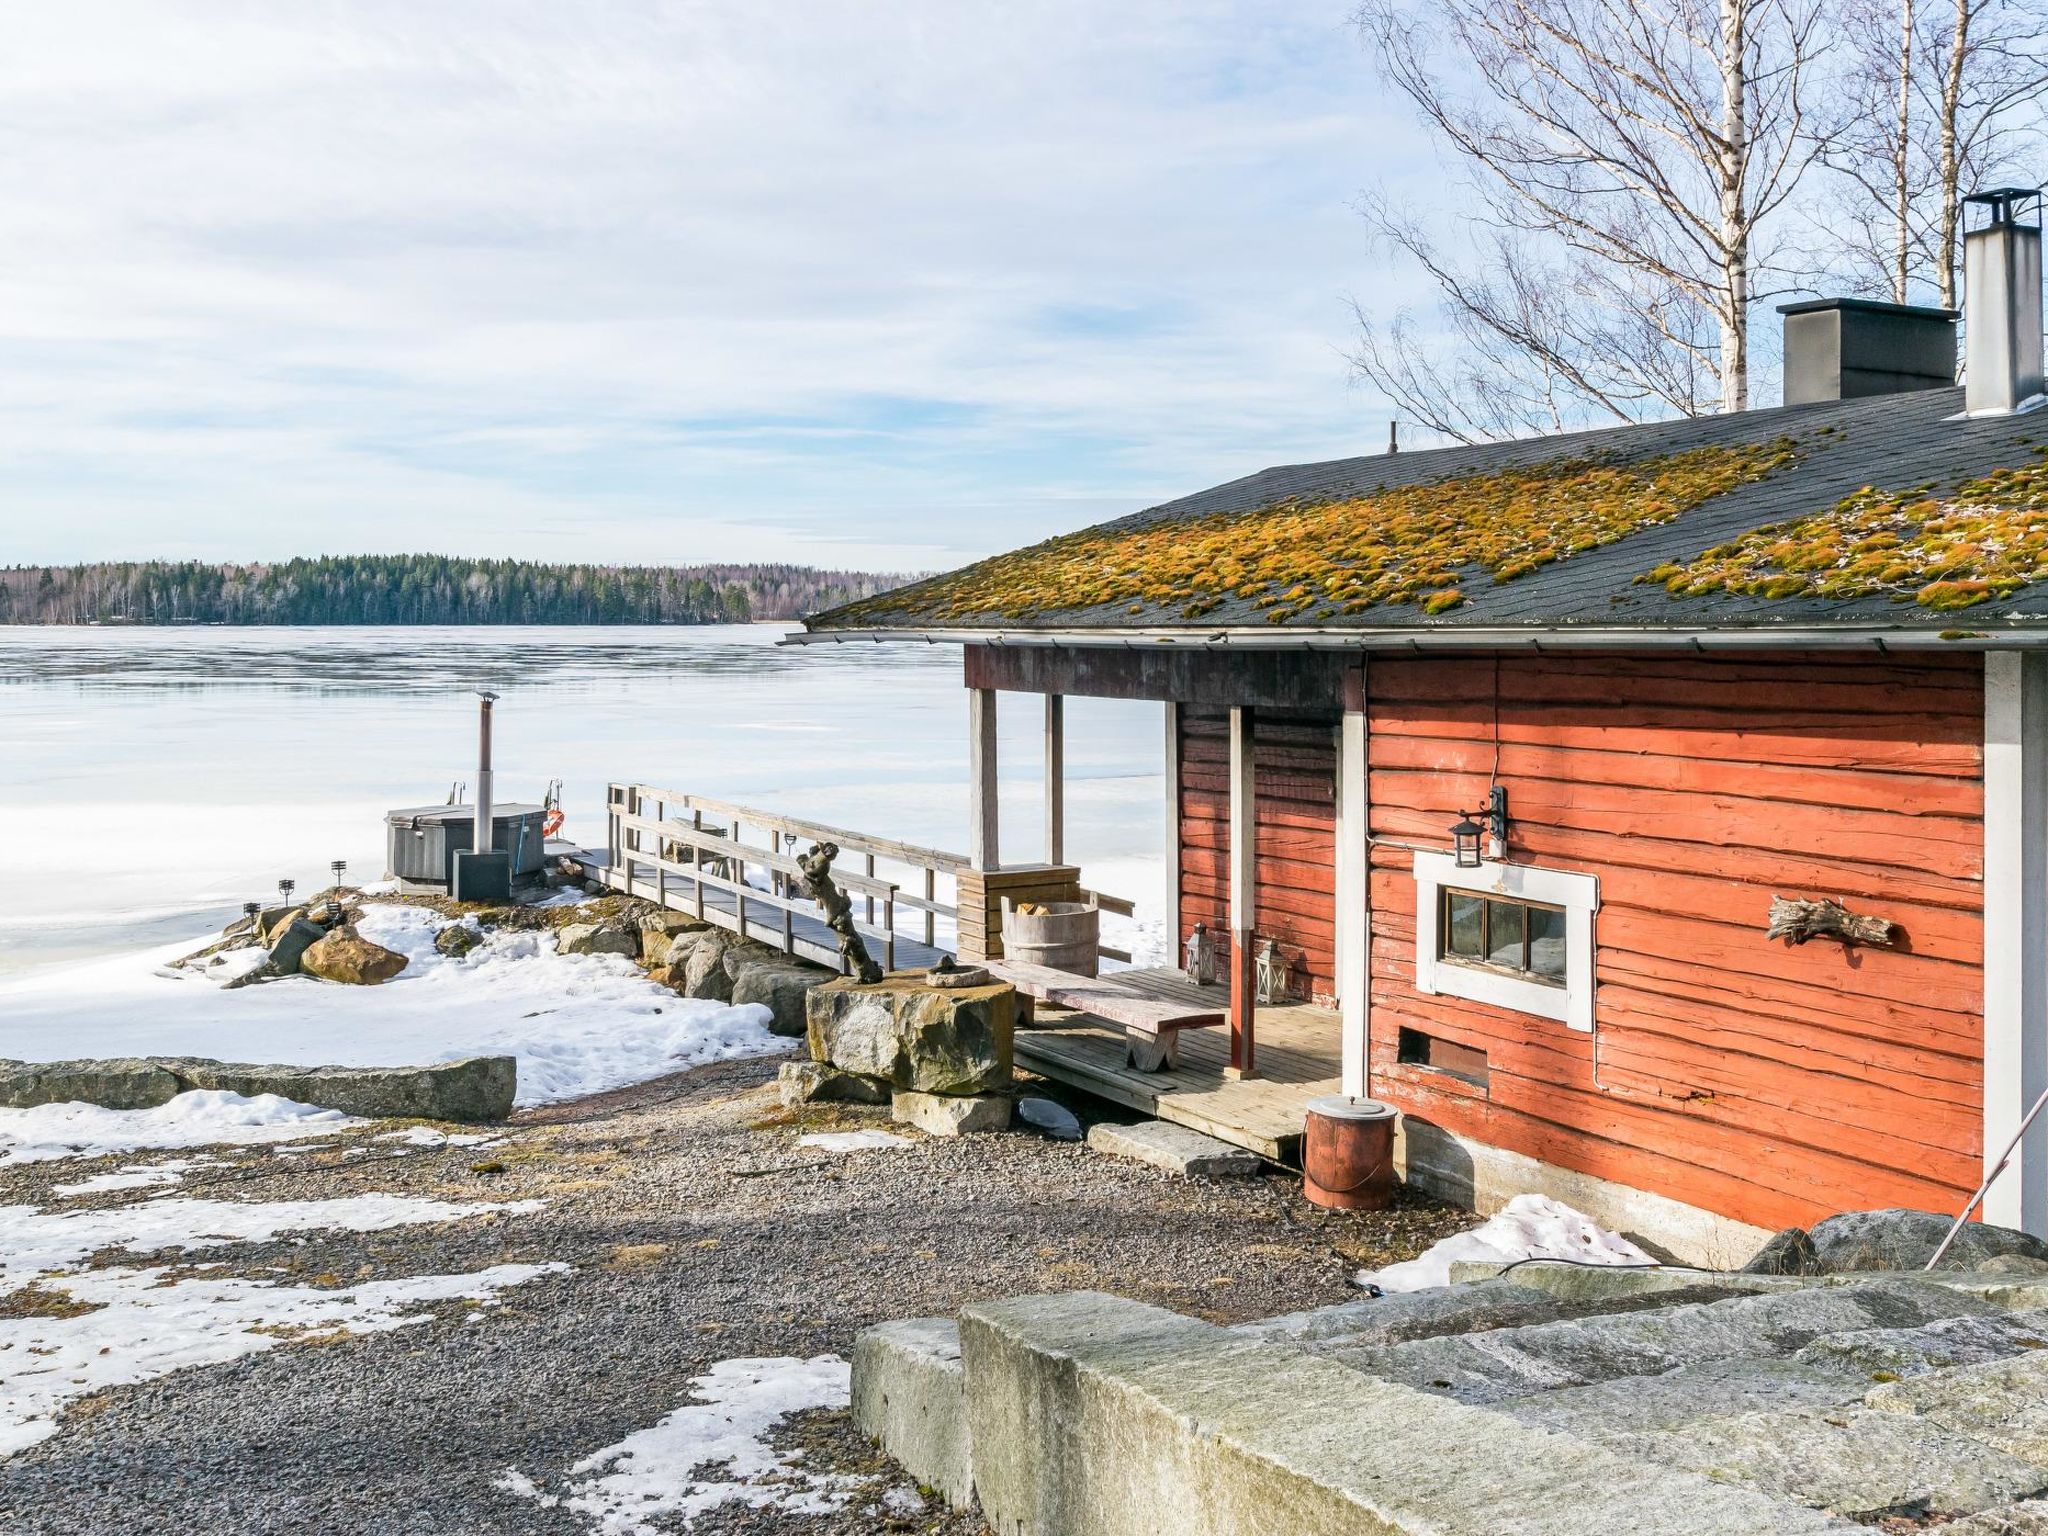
[1061,935]
[1347,1153]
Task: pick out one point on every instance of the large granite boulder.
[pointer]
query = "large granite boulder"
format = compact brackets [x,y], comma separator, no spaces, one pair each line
[1902,1239]
[915,1036]
[781,986]
[346,956]
[704,973]
[457,940]
[603,938]
[666,937]
[289,948]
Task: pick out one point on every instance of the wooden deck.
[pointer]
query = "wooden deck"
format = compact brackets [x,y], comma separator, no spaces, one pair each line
[1299,1057]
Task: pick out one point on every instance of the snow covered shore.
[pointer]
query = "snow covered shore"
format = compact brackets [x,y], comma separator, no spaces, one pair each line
[578,1024]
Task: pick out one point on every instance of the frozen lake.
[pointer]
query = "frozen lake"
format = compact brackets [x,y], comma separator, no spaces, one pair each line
[155,779]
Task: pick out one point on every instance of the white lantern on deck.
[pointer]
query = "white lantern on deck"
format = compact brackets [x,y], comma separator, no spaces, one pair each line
[1200,962]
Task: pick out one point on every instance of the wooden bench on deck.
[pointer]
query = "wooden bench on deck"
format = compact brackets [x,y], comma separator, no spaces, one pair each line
[1151,1025]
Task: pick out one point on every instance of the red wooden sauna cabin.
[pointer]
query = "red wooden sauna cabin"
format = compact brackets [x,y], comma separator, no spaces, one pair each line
[1490,768]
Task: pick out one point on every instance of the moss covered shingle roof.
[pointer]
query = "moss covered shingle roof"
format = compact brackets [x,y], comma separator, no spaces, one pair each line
[1880,511]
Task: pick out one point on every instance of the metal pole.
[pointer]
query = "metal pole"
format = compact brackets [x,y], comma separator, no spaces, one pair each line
[480,840]
[1985,1188]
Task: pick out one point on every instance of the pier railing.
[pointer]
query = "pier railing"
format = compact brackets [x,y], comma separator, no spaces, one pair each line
[693,853]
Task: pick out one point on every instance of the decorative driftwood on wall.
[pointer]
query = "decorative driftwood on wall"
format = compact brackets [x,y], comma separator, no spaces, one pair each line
[1800,920]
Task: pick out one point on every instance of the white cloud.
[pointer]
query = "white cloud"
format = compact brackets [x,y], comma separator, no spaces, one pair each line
[885,285]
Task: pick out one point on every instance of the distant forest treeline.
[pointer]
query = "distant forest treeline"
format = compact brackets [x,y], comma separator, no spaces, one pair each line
[421,589]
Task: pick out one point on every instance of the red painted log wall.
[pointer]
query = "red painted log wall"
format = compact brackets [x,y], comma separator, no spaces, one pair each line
[1770,1083]
[1295,758]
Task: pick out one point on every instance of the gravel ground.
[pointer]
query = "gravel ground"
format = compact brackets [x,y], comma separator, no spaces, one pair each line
[698,1231]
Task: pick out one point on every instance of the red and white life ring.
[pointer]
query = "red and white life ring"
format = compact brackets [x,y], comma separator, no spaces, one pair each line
[551,823]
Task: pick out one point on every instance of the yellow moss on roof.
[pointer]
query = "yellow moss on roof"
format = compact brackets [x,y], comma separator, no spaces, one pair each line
[1408,544]
[1986,538]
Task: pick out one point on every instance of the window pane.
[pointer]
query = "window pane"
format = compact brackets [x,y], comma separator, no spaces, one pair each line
[1546,943]
[1462,925]
[1504,933]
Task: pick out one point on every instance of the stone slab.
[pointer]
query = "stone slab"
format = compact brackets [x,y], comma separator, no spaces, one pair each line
[2004,1403]
[801,1082]
[1853,1461]
[1091,1415]
[1890,1353]
[1402,1316]
[1611,1411]
[477,1088]
[1175,1148]
[909,1397]
[945,1114]
[1575,1352]
[2027,1518]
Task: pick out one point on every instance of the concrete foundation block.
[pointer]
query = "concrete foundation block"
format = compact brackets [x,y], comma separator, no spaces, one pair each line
[909,1397]
[1174,1148]
[1095,1416]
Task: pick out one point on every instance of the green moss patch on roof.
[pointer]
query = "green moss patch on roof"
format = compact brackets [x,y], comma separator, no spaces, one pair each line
[1986,538]
[1408,544]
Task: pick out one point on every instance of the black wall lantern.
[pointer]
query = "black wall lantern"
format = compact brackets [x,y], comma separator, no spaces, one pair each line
[1490,822]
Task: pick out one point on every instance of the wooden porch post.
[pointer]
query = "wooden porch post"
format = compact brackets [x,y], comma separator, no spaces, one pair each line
[1354,888]
[981,779]
[1244,869]
[1169,848]
[2016,932]
[1055,779]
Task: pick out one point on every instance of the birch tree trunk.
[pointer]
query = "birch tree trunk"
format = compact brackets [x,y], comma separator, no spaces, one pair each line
[1734,165]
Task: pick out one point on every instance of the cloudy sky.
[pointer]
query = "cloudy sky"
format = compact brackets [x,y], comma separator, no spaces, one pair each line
[885,285]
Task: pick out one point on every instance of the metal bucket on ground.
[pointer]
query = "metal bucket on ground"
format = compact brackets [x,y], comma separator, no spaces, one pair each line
[1347,1153]
[1062,935]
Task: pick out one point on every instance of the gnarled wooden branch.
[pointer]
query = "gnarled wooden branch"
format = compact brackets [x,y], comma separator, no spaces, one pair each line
[817,868]
[1800,920]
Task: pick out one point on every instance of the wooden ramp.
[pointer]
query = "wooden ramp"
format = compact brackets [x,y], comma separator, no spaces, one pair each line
[1299,1057]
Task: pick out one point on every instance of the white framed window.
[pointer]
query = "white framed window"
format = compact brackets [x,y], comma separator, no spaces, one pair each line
[1507,934]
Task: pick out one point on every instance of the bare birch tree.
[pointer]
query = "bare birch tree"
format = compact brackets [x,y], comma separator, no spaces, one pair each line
[1628,158]
[1991,65]
[1933,101]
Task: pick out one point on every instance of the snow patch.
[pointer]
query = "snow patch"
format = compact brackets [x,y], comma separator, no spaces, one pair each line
[137,1176]
[1527,1227]
[33,1241]
[578,1024]
[650,1473]
[201,1118]
[143,1327]
[852,1141]
[427,1136]
[133,1324]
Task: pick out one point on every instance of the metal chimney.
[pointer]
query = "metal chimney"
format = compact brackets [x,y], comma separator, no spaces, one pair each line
[2002,302]
[1847,349]
[481,839]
